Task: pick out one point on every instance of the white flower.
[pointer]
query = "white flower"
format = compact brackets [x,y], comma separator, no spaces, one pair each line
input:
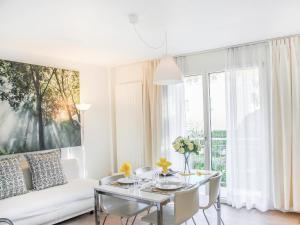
[181,150]
[191,146]
[187,142]
[178,139]
[176,146]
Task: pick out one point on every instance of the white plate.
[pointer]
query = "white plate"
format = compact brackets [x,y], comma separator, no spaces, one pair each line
[125,180]
[169,185]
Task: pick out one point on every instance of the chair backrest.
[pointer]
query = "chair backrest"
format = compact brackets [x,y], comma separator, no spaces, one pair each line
[214,188]
[186,204]
[109,179]
[6,221]
[142,170]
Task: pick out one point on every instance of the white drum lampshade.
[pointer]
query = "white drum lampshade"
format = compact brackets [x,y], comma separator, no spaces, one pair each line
[167,72]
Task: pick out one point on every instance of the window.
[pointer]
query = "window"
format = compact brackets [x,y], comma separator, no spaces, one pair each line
[194,121]
[205,112]
[218,141]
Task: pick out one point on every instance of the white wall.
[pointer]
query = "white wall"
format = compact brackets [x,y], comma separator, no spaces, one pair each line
[94,83]
[94,89]
[125,76]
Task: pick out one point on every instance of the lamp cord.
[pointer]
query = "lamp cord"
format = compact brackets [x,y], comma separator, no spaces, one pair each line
[164,43]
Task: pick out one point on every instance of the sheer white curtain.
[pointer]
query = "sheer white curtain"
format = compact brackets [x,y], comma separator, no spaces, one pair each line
[172,122]
[173,118]
[286,122]
[164,114]
[248,127]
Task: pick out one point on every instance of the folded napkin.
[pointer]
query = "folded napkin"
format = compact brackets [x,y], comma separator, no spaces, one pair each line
[186,174]
[203,172]
[153,189]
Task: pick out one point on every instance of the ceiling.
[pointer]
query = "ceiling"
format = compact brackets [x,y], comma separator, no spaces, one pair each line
[98,31]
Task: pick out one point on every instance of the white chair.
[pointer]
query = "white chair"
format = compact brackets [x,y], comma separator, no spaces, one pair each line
[6,221]
[142,170]
[180,212]
[214,190]
[119,207]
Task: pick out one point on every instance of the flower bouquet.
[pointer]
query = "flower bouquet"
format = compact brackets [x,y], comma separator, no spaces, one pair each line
[186,146]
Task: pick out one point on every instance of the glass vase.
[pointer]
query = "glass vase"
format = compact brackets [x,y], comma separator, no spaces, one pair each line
[186,163]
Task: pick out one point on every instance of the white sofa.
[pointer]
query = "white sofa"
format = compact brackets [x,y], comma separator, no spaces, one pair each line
[51,205]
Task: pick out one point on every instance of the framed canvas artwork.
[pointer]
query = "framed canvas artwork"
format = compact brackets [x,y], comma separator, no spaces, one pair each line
[37,108]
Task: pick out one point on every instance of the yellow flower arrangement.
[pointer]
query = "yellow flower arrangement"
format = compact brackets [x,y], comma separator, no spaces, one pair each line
[164,164]
[126,169]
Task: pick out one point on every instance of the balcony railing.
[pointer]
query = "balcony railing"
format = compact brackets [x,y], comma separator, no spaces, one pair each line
[218,156]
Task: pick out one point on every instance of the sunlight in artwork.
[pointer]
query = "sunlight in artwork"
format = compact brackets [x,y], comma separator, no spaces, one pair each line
[38,107]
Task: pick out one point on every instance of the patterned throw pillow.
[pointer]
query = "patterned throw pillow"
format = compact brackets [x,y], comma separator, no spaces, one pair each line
[46,169]
[11,178]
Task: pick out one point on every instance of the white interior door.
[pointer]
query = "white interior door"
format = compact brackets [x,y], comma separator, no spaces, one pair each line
[129,123]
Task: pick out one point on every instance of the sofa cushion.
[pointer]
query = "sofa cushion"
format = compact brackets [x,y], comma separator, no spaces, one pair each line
[43,202]
[11,178]
[46,169]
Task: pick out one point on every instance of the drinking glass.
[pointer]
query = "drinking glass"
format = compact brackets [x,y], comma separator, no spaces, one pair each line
[165,176]
[136,181]
[155,177]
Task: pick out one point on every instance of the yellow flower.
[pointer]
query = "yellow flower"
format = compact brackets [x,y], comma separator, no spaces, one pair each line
[126,169]
[164,164]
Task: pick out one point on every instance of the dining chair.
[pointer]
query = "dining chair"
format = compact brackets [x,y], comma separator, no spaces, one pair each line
[6,221]
[119,207]
[186,205]
[142,170]
[214,191]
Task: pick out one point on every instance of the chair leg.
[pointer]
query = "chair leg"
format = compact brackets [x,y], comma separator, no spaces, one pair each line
[205,217]
[221,217]
[127,221]
[194,221]
[104,219]
[133,219]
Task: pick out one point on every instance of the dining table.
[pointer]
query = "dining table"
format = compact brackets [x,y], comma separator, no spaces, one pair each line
[145,191]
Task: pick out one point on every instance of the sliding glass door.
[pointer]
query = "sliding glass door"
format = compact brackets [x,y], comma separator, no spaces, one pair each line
[194,116]
[218,141]
[206,120]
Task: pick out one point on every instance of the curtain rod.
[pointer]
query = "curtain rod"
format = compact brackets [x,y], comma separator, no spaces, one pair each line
[235,46]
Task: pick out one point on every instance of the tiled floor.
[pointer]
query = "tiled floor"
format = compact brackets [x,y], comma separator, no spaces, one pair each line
[230,216]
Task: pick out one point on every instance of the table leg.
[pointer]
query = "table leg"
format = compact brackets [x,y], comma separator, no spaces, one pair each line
[97,208]
[159,214]
[219,210]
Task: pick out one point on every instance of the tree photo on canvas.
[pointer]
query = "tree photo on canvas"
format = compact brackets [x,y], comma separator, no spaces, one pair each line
[37,107]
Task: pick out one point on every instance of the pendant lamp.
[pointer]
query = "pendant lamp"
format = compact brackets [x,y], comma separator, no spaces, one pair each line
[167,71]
